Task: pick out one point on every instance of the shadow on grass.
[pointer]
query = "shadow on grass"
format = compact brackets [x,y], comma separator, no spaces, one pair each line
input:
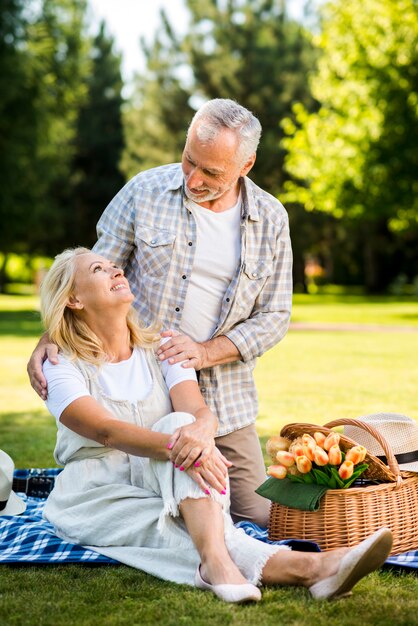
[29,438]
[20,323]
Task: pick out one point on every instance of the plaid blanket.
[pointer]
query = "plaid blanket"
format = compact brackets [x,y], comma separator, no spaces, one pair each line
[28,538]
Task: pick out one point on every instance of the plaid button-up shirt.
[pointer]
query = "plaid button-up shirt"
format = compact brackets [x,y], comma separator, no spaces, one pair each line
[149,231]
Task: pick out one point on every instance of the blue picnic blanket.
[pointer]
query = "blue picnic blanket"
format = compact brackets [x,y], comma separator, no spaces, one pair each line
[28,538]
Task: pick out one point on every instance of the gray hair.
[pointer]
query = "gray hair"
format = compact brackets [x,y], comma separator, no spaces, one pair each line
[223,113]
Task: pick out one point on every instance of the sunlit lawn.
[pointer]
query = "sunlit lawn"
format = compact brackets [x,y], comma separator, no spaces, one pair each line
[312,376]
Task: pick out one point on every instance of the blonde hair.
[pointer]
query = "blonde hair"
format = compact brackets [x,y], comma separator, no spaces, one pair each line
[68,330]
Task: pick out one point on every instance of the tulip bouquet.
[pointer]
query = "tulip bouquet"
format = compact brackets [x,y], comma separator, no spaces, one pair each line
[318,459]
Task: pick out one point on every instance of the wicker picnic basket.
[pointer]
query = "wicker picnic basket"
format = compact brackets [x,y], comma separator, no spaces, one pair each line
[347,516]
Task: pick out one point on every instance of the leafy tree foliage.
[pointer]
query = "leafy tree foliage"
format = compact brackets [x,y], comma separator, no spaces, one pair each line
[98,143]
[247,50]
[157,120]
[356,157]
[61,133]
[42,62]
[17,119]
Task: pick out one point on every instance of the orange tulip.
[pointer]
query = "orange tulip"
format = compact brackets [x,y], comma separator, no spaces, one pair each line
[333,439]
[320,438]
[357,454]
[334,455]
[285,458]
[303,464]
[320,456]
[307,440]
[346,469]
[309,446]
[296,449]
[277,471]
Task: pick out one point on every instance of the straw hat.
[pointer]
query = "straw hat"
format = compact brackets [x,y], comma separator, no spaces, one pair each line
[401,433]
[10,503]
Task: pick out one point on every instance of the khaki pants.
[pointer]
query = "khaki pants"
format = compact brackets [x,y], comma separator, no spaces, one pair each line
[248,472]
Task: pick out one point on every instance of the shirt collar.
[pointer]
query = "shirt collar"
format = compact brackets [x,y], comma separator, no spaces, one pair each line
[249,203]
[177,179]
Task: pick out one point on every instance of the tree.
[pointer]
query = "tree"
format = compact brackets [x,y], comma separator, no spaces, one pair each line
[356,157]
[160,111]
[43,62]
[247,50]
[17,129]
[98,143]
[57,47]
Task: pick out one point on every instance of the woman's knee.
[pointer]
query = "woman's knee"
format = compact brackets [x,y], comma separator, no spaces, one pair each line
[169,423]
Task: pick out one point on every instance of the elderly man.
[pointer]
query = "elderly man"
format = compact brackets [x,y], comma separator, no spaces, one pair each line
[208,255]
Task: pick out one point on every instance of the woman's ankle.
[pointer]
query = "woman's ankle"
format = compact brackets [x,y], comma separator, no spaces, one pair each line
[218,571]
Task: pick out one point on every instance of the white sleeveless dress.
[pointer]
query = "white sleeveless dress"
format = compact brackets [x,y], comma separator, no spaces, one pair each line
[127,507]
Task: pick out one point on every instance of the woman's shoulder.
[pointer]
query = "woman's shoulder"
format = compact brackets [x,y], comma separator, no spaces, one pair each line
[65,367]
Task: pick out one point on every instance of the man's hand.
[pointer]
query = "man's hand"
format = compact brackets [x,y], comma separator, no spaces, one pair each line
[44,350]
[182,348]
[193,443]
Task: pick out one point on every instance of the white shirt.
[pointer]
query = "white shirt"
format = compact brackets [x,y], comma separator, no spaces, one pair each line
[127,380]
[218,251]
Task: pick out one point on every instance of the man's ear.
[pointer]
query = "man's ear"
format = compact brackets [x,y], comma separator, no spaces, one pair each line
[248,165]
[74,303]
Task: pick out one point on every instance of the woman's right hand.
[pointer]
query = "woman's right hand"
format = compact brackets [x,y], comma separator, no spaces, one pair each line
[44,350]
[213,472]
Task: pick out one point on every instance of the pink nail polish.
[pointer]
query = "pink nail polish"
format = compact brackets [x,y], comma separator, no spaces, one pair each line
[197,464]
[223,492]
[207,492]
[181,469]
[175,465]
[169,445]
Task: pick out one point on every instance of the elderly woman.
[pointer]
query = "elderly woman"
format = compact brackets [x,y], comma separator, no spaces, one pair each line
[132,488]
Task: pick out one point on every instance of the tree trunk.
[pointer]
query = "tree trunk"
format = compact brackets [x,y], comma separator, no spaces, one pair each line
[3,277]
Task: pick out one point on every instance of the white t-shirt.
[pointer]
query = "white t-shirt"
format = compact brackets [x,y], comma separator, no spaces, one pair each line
[218,251]
[127,380]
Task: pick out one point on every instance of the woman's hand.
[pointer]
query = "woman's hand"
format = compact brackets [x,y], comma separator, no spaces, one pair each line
[213,472]
[193,443]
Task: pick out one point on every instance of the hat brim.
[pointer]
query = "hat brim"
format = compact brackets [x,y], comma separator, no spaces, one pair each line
[409,467]
[14,506]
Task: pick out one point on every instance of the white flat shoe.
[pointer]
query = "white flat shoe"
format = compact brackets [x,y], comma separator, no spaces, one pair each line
[357,563]
[229,593]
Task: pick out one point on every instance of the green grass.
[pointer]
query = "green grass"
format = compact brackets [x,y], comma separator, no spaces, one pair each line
[386,310]
[311,377]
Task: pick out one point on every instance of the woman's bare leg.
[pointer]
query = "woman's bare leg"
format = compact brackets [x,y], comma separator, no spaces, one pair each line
[330,574]
[301,568]
[204,520]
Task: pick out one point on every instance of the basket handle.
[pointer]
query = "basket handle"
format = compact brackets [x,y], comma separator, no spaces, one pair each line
[390,457]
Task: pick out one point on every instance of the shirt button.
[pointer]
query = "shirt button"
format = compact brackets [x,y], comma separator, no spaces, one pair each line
[153,241]
[184,277]
[254,274]
[227,299]
[190,243]
[203,389]
[177,309]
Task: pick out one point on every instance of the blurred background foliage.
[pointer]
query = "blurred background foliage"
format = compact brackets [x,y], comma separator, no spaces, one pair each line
[336,92]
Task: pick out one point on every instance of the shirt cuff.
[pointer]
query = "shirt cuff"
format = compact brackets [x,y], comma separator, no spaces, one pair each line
[240,340]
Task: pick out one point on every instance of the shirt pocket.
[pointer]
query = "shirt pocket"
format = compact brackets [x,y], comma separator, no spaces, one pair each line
[251,282]
[154,250]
